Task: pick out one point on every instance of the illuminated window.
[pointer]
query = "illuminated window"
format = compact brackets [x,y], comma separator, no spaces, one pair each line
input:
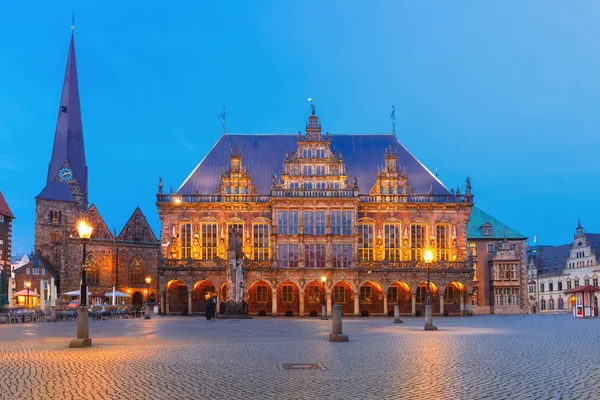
[341,255]
[417,242]
[392,295]
[393,242]
[314,255]
[261,294]
[473,248]
[93,270]
[365,294]
[54,237]
[137,272]
[288,256]
[209,241]
[339,294]
[365,242]
[261,241]
[186,240]
[287,293]
[441,242]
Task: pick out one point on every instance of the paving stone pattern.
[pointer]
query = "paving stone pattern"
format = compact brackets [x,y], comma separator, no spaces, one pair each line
[484,357]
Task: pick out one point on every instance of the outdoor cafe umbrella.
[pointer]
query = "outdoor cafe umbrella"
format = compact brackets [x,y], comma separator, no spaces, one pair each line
[76,293]
[26,292]
[114,294]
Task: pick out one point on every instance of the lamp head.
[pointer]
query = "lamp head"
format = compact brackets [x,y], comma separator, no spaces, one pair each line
[323,279]
[84,230]
[27,284]
[428,256]
[148,280]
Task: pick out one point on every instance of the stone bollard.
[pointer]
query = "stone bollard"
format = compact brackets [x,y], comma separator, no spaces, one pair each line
[429,319]
[83,329]
[52,314]
[336,325]
[397,319]
[324,312]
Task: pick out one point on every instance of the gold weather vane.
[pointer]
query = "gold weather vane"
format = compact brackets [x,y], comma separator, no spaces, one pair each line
[223,117]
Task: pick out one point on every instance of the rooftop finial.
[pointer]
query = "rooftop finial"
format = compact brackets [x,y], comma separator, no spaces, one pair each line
[312,106]
[393,117]
[73,21]
[223,117]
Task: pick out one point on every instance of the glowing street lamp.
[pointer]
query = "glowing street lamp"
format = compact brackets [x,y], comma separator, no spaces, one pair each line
[148,280]
[83,329]
[27,286]
[323,306]
[428,258]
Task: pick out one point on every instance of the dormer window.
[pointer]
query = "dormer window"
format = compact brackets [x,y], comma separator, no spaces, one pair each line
[306,153]
[486,229]
[320,153]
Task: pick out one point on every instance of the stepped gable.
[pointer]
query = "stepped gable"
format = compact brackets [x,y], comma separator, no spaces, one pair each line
[137,229]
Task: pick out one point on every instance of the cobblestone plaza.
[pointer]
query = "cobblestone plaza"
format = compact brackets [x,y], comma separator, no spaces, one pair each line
[494,357]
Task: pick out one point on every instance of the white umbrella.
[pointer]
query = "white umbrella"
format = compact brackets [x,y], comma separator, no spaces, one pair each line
[76,293]
[116,293]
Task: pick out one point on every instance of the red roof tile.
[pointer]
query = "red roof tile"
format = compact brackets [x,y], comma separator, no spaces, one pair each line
[4,208]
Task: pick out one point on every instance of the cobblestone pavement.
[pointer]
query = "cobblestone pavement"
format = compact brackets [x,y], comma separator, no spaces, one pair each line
[484,357]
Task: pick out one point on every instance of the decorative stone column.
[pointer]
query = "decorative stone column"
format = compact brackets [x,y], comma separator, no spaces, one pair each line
[301,300]
[413,309]
[329,307]
[462,303]
[356,304]
[385,305]
[168,302]
[10,291]
[189,304]
[274,303]
[163,302]
[441,304]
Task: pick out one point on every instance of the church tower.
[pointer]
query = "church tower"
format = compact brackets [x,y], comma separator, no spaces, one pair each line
[65,195]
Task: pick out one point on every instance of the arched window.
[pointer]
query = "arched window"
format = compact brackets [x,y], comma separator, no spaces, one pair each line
[551,304]
[137,270]
[543,304]
[561,303]
[417,241]
[92,270]
[442,242]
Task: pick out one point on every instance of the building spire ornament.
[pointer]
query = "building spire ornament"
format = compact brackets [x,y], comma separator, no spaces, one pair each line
[223,117]
[393,117]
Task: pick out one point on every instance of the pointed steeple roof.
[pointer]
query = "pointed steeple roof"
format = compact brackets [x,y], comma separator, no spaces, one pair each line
[68,149]
[4,208]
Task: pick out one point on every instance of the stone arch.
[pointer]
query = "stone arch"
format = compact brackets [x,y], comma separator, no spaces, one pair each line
[288,298]
[137,300]
[421,296]
[454,297]
[370,298]
[260,297]
[399,292]
[92,269]
[137,271]
[203,291]
[343,293]
[314,297]
[551,303]
[177,296]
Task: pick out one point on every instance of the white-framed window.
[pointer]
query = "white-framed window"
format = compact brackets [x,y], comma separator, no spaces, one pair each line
[27,271]
[341,255]
[515,297]
[287,255]
[595,281]
[490,248]
[365,242]
[319,222]
[1,241]
[1,218]
[392,242]
[43,271]
[314,255]
[307,170]
[320,170]
[320,153]
[321,185]
[541,287]
[261,241]
[287,293]
[309,222]
[586,281]
[209,241]
[35,271]
[568,285]
[186,240]
[307,185]
[306,153]
[294,185]
[287,222]
[417,241]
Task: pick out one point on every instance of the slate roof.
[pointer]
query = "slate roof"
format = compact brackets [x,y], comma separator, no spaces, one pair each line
[4,208]
[556,256]
[56,190]
[499,230]
[68,137]
[264,156]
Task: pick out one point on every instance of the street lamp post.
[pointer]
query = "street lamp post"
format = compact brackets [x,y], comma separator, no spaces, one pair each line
[27,286]
[428,257]
[148,280]
[83,329]
[323,305]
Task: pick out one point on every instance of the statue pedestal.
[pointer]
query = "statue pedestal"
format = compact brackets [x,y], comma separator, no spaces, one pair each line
[236,310]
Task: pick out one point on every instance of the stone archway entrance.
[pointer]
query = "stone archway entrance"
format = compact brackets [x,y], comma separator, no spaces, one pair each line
[421,297]
[371,299]
[314,298]
[454,298]
[288,299]
[203,292]
[399,293]
[137,300]
[260,298]
[177,295]
[342,294]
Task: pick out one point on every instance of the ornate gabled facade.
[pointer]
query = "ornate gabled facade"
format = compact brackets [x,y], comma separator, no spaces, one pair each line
[499,280]
[321,207]
[122,261]
[556,269]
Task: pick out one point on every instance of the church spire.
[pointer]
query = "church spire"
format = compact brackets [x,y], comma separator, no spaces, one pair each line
[67,164]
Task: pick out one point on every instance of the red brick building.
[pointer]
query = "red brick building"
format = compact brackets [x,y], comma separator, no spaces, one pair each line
[122,260]
[6,218]
[357,210]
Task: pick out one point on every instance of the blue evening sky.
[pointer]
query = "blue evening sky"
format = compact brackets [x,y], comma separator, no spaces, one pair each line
[505,92]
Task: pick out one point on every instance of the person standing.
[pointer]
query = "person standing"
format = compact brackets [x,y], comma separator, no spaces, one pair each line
[210,310]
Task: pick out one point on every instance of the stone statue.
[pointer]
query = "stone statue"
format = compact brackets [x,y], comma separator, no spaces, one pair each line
[160,184]
[231,232]
[239,280]
[273,180]
[468,188]
[312,106]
